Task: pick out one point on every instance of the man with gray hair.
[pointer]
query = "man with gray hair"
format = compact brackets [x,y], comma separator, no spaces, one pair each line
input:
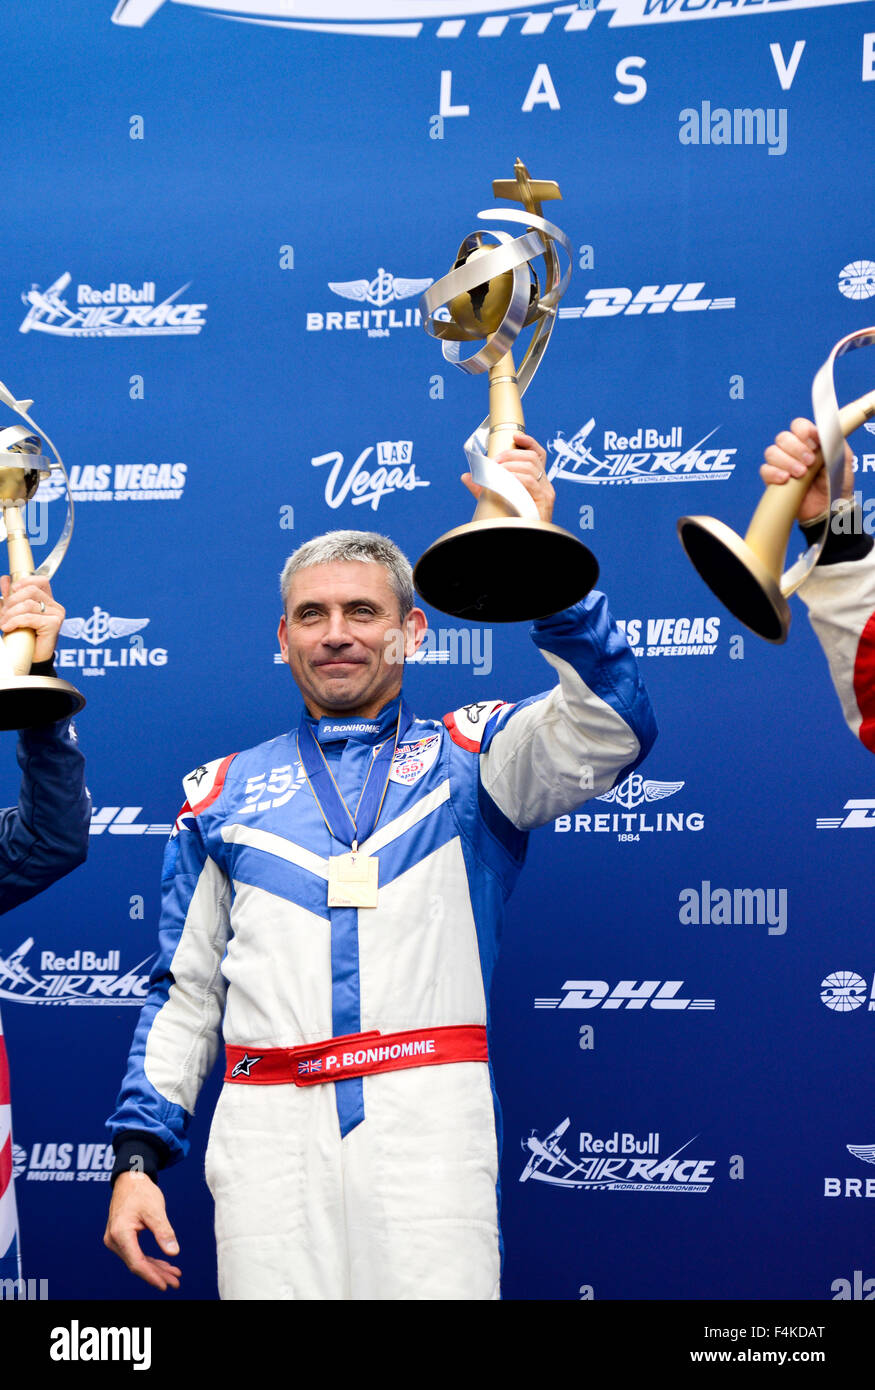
[333,902]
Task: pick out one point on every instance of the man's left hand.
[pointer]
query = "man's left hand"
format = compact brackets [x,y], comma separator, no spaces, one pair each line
[528,463]
[28,603]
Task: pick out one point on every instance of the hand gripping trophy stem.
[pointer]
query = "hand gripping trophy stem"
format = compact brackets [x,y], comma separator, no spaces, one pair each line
[744,573]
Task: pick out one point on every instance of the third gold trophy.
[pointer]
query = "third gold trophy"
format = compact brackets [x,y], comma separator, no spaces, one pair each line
[506,565]
[745,573]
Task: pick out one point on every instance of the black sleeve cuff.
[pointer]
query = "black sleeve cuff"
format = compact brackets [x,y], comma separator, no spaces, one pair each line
[138,1152]
[44,668]
[845,538]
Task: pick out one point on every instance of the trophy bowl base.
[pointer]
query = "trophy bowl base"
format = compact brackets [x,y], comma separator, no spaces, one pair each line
[28,702]
[505,570]
[736,576]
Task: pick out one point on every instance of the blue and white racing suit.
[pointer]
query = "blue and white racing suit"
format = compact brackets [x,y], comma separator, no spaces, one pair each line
[381,1186]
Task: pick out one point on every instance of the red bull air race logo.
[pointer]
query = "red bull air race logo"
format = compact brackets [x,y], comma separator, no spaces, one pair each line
[117,310]
[452,19]
[83,978]
[644,454]
[616,1163]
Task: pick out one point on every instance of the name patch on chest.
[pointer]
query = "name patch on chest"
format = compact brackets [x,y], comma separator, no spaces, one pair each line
[412,760]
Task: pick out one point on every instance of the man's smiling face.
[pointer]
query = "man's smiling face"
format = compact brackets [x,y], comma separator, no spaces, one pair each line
[337,637]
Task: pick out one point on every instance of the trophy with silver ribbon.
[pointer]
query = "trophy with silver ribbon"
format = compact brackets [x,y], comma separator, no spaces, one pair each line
[506,565]
[745,575]
[27,701]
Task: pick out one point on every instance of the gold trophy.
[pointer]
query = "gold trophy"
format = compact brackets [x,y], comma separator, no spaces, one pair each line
[745,575]
[28,701]
[506,565]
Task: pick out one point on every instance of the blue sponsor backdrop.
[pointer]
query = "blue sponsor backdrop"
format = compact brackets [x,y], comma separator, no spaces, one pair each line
[224,180]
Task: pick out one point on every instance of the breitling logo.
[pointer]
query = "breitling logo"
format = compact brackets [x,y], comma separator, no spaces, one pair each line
[636,789]
[100,626]
[379,291]
[635,794]
[383,291]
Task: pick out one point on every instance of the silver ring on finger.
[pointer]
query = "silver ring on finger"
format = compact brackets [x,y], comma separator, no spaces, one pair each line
[540,476]
[42,607]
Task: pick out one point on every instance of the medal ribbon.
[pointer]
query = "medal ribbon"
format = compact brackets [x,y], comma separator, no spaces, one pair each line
[347,828]
[328,796]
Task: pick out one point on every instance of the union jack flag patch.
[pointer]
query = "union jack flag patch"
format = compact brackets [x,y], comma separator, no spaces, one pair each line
[305,1068]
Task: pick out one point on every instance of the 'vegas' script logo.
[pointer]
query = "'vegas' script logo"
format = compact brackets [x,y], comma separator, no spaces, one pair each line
[395,472]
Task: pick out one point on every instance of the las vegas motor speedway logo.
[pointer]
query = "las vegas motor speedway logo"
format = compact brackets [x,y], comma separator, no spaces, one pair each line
[120,310]
[646,455]
[380,294]
[844,991]
[60,1161]
[682,636]
[631,824]
[98,629]
[120,482]
[619,1163]
[82,978]
[404,18]
[857,280]
[395,472]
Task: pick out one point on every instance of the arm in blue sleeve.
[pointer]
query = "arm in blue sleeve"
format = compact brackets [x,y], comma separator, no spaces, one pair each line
[46,835]
[548,754]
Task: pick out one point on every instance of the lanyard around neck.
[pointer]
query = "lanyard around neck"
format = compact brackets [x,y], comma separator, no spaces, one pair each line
[344,825]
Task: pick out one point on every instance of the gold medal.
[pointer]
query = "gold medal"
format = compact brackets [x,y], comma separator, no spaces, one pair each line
[352,879]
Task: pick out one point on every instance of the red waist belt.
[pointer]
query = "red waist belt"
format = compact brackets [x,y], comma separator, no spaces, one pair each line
[357,1054]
